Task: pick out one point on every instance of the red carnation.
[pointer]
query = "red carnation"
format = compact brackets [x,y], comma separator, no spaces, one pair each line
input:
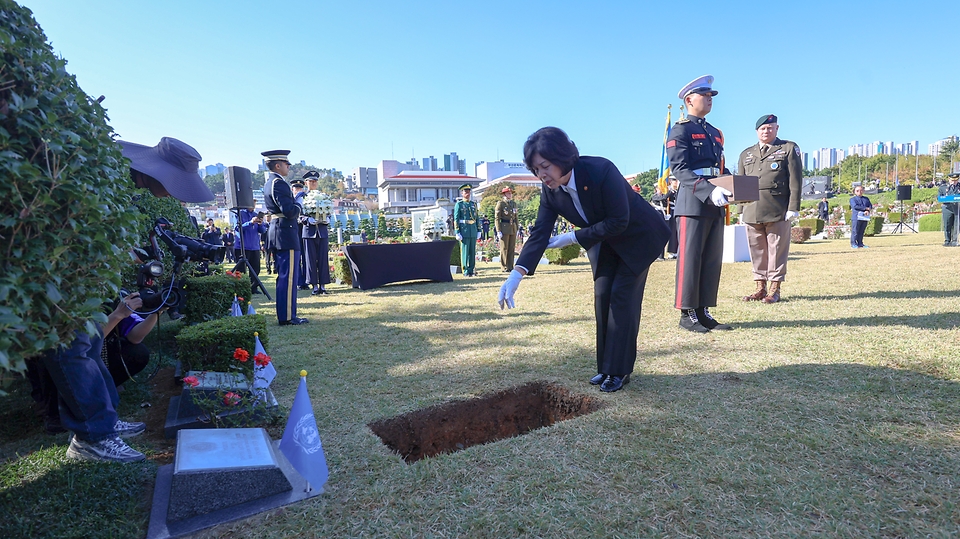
[191,381]
[241,355]
[261,359]
[231,399]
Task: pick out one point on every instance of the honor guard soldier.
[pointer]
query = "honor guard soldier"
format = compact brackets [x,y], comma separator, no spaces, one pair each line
[465,215]
[298,195]
[506,226]
[316,244]
[695,150]
[777,163]
[283,237]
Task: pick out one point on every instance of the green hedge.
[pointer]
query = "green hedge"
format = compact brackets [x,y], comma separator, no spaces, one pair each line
[211,297]
[874,226]
[814,224]
[562,256]
[209,346]
[932,222]
[341,269]
[455,255]
[65,222]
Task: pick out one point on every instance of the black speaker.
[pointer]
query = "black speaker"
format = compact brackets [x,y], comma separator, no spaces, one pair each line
[904,192]
[239,185]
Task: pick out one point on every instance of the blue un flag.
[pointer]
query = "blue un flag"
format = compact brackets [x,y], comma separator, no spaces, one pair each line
[301,439]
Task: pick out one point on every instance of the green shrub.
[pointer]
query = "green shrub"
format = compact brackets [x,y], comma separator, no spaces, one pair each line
[814,224]
[209,346]
[211,297]
[800,234]
[455,255]
[894,217]
[932,222]
[65,224]
[341,269]
[874,226]
[563,255]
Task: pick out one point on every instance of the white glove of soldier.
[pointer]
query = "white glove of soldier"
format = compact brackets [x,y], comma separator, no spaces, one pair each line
[791,215]
[499,236]
[508,289]
[719,196]
[459,237]
[558,242]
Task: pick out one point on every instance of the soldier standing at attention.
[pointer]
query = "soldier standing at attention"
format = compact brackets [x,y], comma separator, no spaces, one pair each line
[777,163]
[465,220]
[283,237]
[506,224]
[695,150]
[948,215]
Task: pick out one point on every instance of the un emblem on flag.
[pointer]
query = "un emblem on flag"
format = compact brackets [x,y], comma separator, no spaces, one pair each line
[305,435]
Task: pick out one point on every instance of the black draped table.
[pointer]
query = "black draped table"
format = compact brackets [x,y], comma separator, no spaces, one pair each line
[375,265]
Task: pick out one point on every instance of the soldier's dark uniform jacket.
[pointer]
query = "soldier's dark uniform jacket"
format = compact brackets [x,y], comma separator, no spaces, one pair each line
[781,179]
[695,150]
[284,234]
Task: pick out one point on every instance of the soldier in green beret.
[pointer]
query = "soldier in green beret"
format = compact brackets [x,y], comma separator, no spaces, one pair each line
[778,165]
[466,221]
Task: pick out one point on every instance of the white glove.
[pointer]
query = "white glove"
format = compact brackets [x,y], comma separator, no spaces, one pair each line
[499,236]
[719,196]
[791,215]
[459,237]
[508,289]
[558,242]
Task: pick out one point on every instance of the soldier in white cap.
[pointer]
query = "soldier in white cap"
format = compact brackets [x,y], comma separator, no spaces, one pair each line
[695,150]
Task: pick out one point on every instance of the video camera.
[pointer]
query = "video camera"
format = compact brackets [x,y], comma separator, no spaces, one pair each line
[184,249]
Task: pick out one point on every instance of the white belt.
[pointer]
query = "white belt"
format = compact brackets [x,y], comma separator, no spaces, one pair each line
[706,171]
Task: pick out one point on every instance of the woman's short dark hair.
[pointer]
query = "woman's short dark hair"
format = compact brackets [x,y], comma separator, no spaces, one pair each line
[553,145]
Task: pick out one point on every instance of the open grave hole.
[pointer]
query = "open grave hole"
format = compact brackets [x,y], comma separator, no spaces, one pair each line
[457,425]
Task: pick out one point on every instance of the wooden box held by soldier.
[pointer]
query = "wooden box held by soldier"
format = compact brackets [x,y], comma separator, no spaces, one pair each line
[744,188]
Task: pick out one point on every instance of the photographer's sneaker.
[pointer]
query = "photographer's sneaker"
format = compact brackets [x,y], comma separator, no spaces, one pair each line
[128,430]
[108,450]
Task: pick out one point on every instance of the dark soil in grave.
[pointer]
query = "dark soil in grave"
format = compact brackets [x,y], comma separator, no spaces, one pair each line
[457,425]
[162,386]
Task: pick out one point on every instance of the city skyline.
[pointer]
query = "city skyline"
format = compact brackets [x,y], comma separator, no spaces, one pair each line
[232,83]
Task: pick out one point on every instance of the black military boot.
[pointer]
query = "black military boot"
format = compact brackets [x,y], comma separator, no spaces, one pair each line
[690,322]
[709,322]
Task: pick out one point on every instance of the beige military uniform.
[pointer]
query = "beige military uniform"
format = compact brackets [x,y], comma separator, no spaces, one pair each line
[506,224]
[780,171]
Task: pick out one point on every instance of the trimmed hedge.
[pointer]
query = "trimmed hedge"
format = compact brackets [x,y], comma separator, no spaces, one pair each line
[209,346]
[455,255]
[874,227]
[562,256]
[341,269]
[65,222]
[211,297]
[932,222]
[814,224]
[800,234]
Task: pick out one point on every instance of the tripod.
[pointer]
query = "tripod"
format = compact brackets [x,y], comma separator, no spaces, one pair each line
[242,261]
[901,225]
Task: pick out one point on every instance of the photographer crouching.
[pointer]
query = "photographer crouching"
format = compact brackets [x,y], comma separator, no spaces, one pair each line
[86,390]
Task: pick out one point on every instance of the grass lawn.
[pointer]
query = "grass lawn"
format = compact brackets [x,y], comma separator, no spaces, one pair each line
[834,413]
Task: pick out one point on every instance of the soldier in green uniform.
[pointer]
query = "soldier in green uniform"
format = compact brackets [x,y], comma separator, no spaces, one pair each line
[778,165]
[466,221]
[506,226]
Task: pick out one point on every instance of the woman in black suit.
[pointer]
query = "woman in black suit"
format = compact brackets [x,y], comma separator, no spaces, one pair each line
[620,231]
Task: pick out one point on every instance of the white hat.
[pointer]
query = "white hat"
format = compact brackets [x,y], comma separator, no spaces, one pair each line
[701,85]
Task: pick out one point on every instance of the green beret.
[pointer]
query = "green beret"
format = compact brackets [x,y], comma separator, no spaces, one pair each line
[766,119]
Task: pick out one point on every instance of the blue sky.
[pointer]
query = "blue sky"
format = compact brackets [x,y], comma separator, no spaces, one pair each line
[347,84]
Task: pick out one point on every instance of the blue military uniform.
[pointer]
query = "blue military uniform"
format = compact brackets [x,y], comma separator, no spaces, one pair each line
[316,247]
[283,239]
[695,150]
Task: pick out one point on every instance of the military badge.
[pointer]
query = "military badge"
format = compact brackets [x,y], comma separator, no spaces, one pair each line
[797,150]
[774,165]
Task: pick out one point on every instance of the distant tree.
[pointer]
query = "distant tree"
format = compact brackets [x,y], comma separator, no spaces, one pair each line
[646,180]
[215,182]
[488,206]
[527,212]
[382,226]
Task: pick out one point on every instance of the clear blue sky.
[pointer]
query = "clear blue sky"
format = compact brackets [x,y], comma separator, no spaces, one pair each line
[346,84]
